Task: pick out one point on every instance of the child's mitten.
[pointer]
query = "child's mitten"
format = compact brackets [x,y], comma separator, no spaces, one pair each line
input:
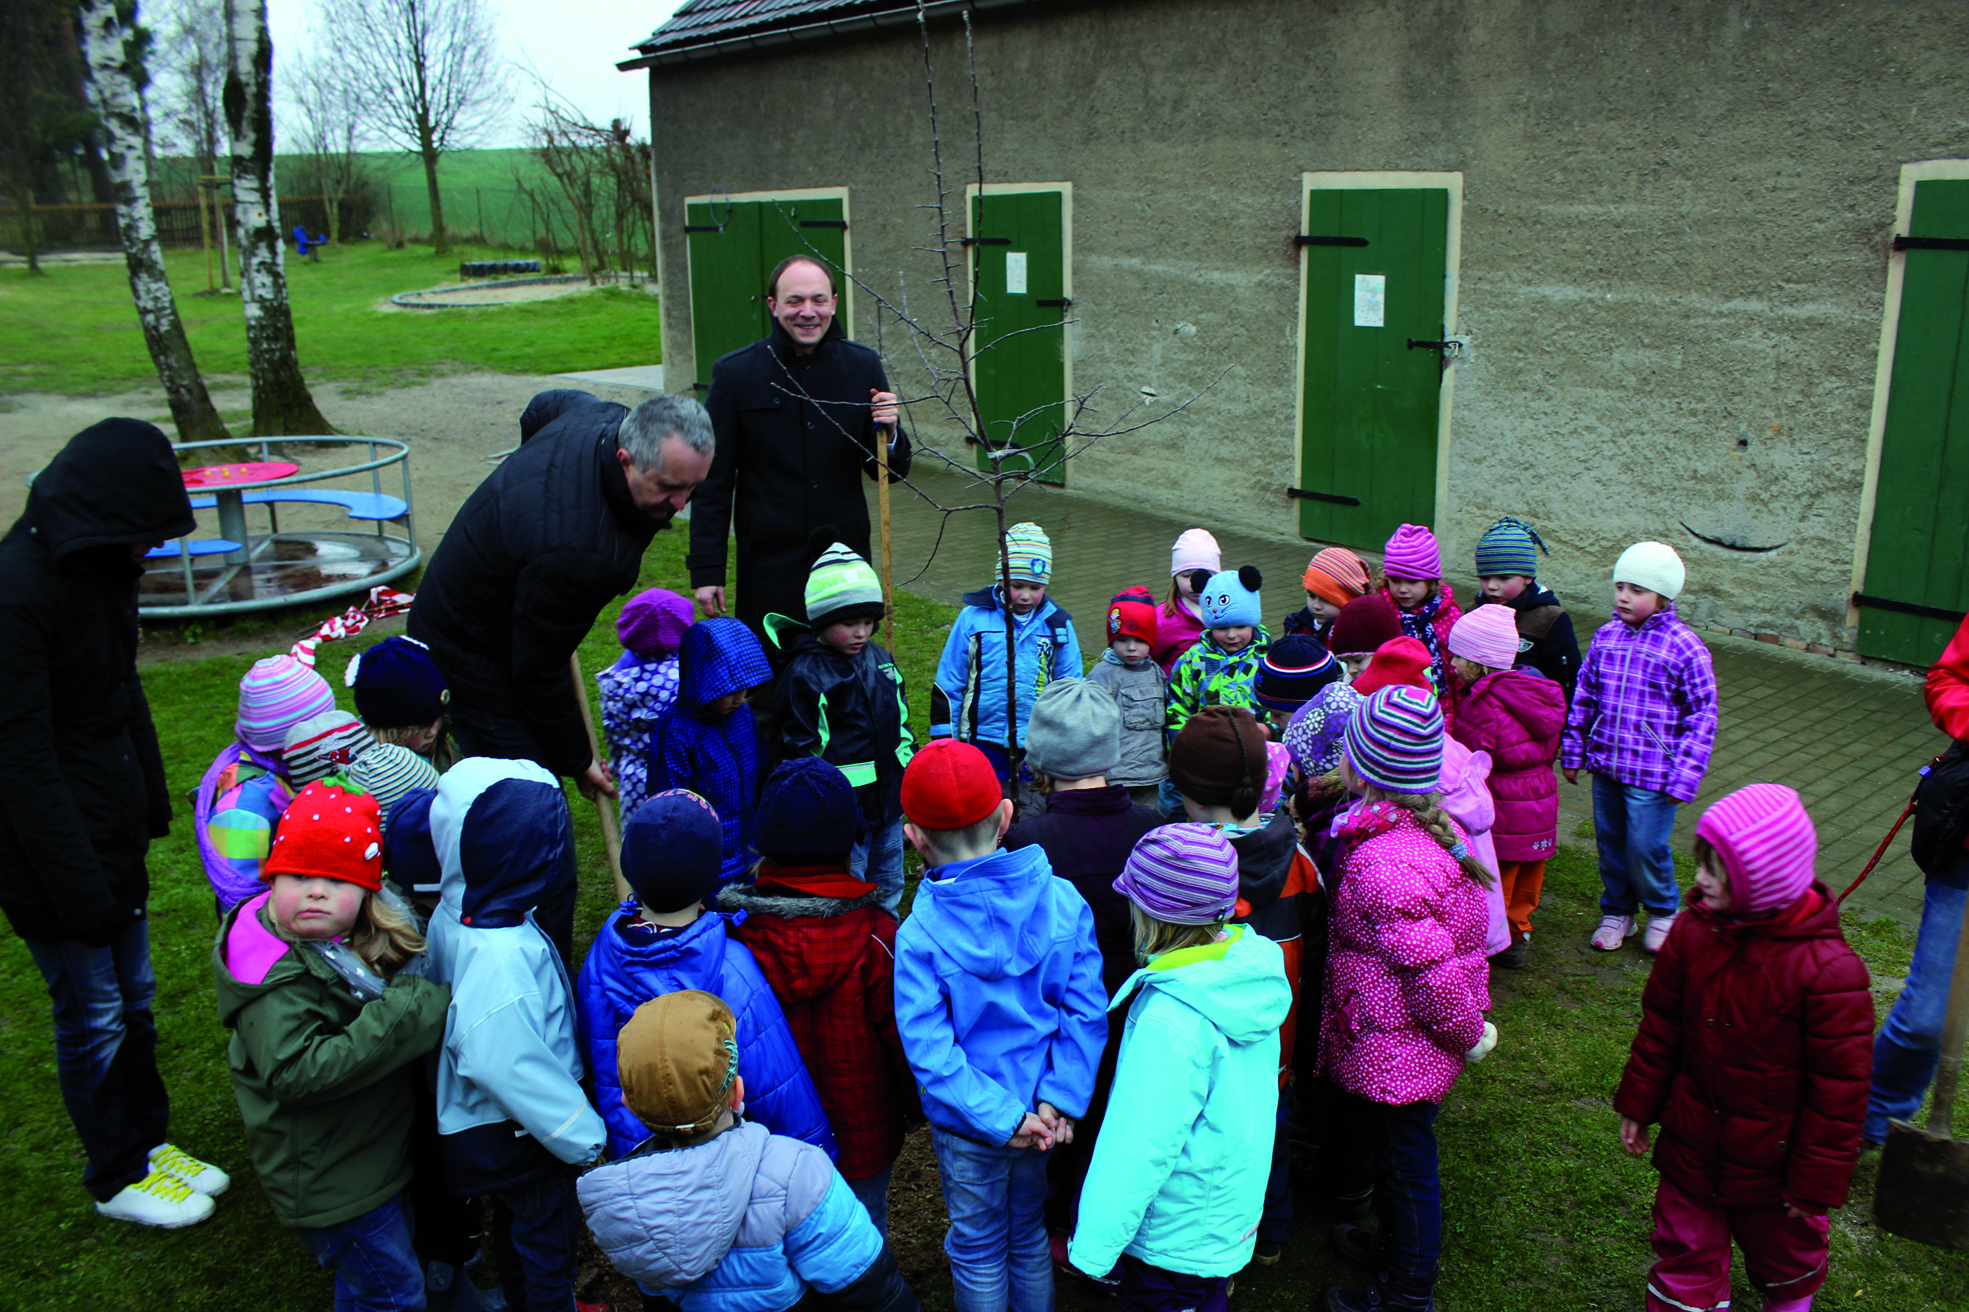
[1483,1045]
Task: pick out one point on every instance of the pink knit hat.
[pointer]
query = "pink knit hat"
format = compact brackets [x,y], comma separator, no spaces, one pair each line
[1487,636]
[1412,554]
[1195,549]
[1767,846]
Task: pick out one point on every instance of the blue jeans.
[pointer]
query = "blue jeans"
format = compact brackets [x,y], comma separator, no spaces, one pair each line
[873,1191]
[884,868]
[374,1265]
[1000,1257]
[536,1232]
[1275,1222]
[1637,866]
[1910,1043]
[1408,1196]
[106,1053]
[1169,801]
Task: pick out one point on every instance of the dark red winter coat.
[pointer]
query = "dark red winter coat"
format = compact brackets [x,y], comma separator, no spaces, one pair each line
[1754,1054]
[828,949]
[1517,716]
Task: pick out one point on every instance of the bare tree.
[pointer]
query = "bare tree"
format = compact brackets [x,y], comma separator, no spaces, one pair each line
[188,95]
[281,400]
[428,75]
[126,136]
[329,115]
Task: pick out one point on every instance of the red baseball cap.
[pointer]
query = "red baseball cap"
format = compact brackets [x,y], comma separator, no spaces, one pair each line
[1397,662]
[949,785]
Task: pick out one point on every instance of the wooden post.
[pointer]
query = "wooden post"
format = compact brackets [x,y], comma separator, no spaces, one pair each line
[882,439]
[205,240]
[611,826]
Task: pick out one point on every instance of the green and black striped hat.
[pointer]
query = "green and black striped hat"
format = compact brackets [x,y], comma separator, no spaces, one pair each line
[838,580]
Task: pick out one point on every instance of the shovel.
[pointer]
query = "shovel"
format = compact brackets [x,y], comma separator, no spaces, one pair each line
[1923,1190]
[611,827]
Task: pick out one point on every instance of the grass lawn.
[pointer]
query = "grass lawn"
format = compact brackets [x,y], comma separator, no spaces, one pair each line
[1543,1209]
[73,329]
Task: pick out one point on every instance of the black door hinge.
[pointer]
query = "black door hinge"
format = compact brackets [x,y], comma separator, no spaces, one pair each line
[984,241]
[1333,498]
[824,223]
[1054,303]
[1931,243]
[1864,602]
[1301,239]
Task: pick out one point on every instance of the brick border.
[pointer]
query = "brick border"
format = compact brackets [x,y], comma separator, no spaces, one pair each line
[1816,649]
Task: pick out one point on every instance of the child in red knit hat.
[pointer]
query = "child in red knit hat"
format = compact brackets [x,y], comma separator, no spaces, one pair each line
[326,1036]
[1754,1054]
[1127,669]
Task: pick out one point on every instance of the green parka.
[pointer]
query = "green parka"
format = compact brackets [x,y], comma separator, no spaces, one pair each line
[324,1082]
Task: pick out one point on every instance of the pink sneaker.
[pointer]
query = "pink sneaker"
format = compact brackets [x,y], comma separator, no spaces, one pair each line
[1658,927]
[1613,931]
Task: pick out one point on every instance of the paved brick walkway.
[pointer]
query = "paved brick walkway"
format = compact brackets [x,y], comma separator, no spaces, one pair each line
[1848,737]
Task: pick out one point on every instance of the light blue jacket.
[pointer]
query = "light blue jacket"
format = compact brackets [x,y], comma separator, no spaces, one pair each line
[998,994]
[745,1222]
[969,699]
[509,1074]
[1178,1176]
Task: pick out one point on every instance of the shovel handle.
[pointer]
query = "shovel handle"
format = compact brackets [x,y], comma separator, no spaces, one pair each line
[1955,1029]
[611,826]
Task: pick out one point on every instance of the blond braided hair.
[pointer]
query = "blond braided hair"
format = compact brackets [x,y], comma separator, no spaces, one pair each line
[1428,812]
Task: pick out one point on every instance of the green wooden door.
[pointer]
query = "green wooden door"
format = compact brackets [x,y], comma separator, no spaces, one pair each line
[734,245]
[1916,552]
[1018,271]
[1369,413]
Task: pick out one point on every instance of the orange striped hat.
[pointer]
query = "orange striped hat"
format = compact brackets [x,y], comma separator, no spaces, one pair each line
[1336,575]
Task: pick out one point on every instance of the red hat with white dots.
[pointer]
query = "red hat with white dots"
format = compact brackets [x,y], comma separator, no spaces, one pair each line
[331,830]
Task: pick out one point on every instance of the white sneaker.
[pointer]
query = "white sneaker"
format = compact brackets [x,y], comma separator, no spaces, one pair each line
[161,1200]
[202,1176]
[1613,931]
[1658,927]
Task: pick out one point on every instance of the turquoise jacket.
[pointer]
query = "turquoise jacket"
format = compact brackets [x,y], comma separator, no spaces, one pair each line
[1178,1176]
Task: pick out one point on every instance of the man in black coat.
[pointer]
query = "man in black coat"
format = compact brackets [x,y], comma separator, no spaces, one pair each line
[536,552]
[798,415]
[82,793]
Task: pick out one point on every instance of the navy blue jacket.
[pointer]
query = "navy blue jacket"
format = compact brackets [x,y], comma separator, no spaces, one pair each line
[716,757]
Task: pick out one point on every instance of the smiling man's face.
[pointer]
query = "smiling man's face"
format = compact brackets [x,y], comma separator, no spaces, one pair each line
[803,304]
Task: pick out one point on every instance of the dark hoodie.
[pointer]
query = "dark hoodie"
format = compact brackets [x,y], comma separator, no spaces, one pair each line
[82,788]
[715,756]
[850,711]
[528,563]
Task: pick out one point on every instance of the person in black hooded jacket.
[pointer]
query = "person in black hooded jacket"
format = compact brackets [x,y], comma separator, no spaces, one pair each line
[798,415]
[82,793]
[536,552]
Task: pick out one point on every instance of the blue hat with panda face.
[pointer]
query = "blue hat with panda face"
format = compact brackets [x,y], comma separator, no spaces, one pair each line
[1230,599]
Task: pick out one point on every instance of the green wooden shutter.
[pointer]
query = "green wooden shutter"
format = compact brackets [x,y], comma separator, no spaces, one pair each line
[1371,404]
[734,246]
[1019,277]
[1920,533]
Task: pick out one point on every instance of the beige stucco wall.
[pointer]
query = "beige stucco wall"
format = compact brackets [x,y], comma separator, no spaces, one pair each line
[1674,243]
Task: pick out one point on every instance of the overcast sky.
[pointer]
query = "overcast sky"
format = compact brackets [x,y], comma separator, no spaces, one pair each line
[573,44]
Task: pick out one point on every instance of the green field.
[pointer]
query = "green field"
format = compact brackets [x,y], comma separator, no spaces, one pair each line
[1543,1210]
[73,330]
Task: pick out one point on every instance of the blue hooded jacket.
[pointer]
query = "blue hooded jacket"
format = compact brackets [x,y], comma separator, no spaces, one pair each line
[968,702]
[626,969]
[746,1222]
[718,759]
[998,994]
[509,1095]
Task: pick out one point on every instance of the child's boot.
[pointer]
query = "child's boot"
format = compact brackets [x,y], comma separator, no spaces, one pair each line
[1388,1293]
[1361,1247]
[1613,931]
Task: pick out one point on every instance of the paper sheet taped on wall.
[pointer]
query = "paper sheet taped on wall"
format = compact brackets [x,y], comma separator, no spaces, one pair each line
[1370,300]
[1015,273]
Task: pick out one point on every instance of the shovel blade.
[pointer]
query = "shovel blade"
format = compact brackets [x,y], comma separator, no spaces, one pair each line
[1923,1190]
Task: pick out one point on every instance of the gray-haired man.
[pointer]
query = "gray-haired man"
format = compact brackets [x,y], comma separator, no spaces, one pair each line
[536,552]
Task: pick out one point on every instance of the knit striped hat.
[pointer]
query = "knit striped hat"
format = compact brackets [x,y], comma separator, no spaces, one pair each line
[1395,740]
[322,745]
[388,771]
[1412,553]
[1767,845]
[1510,546]
[1487,636]
[1031,553]
[1336,575]
[277,694]
[838,580]
[1185,874]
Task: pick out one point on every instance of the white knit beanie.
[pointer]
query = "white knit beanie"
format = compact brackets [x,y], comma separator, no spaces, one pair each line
[1654,566]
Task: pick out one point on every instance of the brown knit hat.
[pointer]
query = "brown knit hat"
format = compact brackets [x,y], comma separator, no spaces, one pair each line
[677,1058]
[1219,754]
[1363,625]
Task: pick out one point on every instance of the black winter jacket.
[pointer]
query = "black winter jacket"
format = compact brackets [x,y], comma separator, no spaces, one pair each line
[81,780]
[784,465]
[850,711]
[531,558]
[1546,642]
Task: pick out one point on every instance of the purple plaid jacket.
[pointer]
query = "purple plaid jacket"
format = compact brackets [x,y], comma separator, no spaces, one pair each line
[1644,712]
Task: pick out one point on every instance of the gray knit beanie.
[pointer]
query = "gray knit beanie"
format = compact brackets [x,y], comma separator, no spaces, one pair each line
[1075,731]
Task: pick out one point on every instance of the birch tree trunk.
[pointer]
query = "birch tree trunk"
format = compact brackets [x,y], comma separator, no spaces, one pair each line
[125,130]
[282,403]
